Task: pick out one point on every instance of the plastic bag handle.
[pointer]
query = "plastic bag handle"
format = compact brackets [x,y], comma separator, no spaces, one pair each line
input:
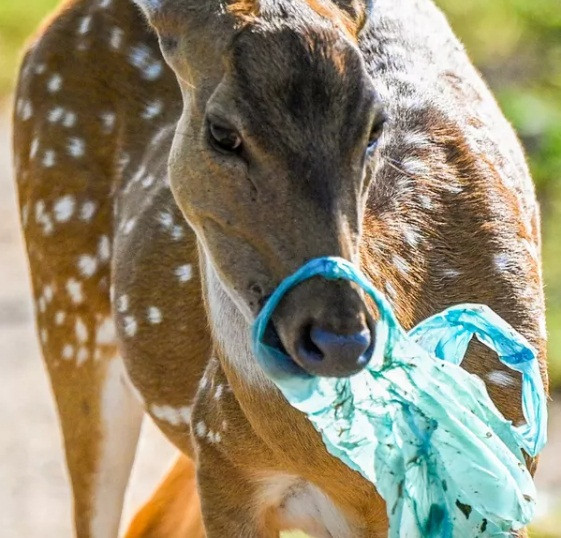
[447,335]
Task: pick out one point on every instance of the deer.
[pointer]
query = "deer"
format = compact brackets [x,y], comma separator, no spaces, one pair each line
[175,160]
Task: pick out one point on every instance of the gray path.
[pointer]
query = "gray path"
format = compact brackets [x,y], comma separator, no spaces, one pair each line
[34,495]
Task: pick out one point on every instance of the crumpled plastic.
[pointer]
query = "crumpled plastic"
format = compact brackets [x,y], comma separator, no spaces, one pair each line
[414,423]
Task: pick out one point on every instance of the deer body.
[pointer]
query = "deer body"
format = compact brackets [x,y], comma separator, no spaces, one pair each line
[145,293]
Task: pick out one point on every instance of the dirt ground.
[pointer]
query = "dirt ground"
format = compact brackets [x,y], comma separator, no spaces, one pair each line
[34,493]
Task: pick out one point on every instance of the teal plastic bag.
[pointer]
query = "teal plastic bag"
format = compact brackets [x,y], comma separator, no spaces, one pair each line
[414,423]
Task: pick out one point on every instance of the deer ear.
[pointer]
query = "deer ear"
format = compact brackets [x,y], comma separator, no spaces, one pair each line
[192,33]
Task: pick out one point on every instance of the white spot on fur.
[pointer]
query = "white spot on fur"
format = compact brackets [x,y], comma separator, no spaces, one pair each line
[128,226]
[501,378]
[172,415]
[154,315]
[130,326]
[26,110]
[104,249]
[55,114]
[76,147]
[153,109]
[108,120]
[49,158]
[48,293]
[184,272]
[87,211]
[41,305]
[43,218]
[177,233]
[116,38]
[60,316]
[69,120]
[34,148]
[84,26]
[55,83]
[214,437]
[105,335]
[68,352]
[81,331]
[148,181]
[141,57]
[44,336]
[218,393]
[64,208]
[74,289]
[165,219]
[123,304]
[87,265]
[200,429]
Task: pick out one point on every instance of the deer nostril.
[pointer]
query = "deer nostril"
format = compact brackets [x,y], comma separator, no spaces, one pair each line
[308,346]
[345,346]
[325,353]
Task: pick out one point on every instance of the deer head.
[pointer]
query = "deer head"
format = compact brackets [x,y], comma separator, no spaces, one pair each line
[269,159]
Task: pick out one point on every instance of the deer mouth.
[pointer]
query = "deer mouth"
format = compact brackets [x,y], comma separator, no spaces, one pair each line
[284,364]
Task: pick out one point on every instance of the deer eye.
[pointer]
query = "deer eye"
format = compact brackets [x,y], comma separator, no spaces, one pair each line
[224,139]
[376,132]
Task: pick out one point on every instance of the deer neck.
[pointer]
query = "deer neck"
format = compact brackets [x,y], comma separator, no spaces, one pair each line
[231,330]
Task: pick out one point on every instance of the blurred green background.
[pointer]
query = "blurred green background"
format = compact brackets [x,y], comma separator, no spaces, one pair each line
[517,46]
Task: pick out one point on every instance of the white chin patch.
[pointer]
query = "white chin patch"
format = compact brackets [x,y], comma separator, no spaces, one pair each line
[231,328]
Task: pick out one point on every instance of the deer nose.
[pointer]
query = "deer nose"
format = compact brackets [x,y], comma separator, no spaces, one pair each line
[325,353]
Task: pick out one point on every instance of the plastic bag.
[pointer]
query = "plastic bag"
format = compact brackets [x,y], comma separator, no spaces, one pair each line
[414,423]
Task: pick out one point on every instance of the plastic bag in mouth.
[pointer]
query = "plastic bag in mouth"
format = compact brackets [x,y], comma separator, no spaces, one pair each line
[422,429]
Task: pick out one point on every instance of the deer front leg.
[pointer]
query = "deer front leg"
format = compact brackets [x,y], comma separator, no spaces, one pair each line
[228,498]
[228,491]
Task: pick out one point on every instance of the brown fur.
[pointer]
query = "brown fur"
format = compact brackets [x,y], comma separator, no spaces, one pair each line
[436,216]
[174,509]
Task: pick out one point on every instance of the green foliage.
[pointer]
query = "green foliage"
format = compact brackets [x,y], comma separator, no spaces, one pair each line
[18,20]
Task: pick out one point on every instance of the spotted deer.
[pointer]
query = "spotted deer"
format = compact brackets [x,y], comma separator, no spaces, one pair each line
[176,159]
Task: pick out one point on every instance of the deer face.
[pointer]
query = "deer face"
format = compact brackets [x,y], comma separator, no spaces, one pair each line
[268,166]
